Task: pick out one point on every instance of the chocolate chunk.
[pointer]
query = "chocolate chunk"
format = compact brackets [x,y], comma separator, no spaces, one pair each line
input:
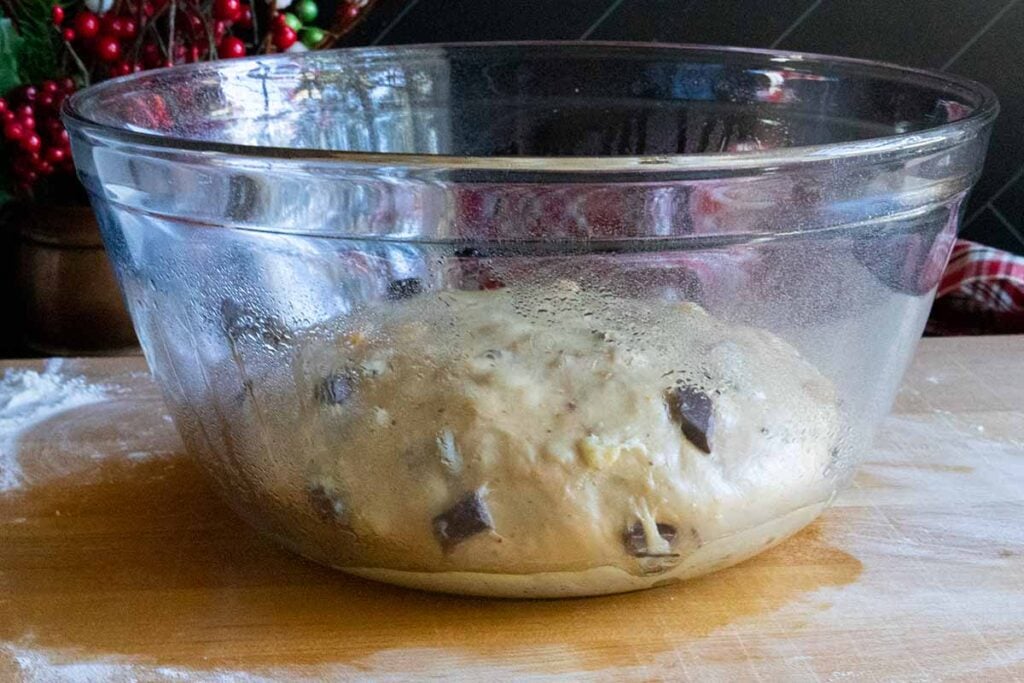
[335,389]
[405,288]
[466,518]
[326,503]
[635,540]
[695,413]
[469,252]
[241,323]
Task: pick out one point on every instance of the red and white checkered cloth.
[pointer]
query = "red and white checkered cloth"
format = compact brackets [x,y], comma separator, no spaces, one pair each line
[981,292]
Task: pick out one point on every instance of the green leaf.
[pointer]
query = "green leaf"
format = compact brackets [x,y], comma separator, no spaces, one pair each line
[37,54]
[9,44]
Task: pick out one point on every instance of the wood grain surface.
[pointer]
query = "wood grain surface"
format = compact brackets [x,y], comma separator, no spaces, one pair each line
[117,562]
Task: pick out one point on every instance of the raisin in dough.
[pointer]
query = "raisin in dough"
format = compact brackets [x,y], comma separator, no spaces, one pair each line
[550,442]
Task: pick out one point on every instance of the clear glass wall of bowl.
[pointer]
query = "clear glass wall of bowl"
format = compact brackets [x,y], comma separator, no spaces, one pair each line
[815,199]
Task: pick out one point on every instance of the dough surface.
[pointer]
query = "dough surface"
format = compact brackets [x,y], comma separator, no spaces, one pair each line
[550,441]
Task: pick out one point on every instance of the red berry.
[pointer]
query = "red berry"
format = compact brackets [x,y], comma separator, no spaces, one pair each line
[55,155]
[50,87]
[28,122]
[63,139]
[108,49]
[25,110]
[29,177]
[284,37]
[87,24]
[45,100]
[68,35]
[245,18]
[31,143]
[3,105]
[111,24]
[193,54]
[279,20]
[227,10]
[8,116]
[219,29]
[57,14]
[129,29]
[67,84]
[351,12]
[14,131]
[44,168]
[29,93]
[151,56]
[231,47]
[179,53]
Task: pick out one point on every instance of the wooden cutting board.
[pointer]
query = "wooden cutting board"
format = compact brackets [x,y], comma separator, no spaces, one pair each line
[118,562]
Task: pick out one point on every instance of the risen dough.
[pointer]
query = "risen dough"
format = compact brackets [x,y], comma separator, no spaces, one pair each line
[530,441]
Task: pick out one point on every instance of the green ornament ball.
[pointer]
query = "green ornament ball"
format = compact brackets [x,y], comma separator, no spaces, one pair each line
[311,37]
[292,21]
[306,10]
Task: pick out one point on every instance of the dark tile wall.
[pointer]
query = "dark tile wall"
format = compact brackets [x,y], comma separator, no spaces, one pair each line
[982,39]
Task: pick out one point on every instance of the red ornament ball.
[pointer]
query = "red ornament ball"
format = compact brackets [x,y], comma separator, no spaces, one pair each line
[231,47]
[68,34]
[87,25]
[57,14]
[284,37]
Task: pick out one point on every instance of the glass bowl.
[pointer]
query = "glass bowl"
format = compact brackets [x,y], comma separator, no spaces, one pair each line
[541,319]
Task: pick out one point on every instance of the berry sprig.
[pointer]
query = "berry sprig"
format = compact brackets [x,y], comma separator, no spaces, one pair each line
[83,41]
[33,134]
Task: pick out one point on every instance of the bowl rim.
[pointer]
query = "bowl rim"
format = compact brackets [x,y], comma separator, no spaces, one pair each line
[985,108]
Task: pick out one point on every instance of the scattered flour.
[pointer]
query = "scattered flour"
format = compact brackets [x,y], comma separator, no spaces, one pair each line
[39,666]
[27,398]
